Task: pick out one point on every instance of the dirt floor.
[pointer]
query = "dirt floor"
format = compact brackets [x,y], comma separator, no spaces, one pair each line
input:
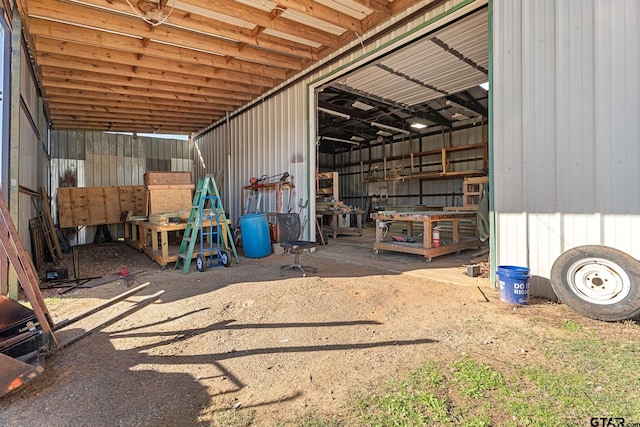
[244,337]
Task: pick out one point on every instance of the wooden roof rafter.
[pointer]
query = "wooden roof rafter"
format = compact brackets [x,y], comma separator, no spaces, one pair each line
[206,56]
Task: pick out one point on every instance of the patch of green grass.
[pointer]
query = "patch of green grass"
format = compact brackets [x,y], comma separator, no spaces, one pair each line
[577,378]
[416,400]
[474,378]
[571,325]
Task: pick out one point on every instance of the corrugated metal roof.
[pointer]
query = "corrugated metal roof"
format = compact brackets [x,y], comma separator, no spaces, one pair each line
[457,58]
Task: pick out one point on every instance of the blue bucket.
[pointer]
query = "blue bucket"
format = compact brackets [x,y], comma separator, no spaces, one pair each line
[256,241]
[514,284]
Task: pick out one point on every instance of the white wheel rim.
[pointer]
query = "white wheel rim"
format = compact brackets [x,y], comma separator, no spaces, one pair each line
[598,281]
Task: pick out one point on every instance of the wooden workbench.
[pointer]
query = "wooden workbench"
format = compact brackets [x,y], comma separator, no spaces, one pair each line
[333,221]
[160,250]
[424,245]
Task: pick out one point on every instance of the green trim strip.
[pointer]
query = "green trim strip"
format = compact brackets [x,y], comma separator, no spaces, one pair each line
[492,215]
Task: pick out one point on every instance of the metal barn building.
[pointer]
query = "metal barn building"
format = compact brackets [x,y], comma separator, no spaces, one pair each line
[560,120]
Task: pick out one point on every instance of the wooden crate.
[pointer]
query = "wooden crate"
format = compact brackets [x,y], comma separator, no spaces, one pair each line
[167,178]
[168,192]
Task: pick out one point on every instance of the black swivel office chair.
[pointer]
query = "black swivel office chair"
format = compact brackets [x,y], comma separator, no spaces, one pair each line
[289,226]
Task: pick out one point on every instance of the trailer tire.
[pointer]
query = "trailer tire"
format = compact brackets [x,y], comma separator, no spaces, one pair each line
[598,282]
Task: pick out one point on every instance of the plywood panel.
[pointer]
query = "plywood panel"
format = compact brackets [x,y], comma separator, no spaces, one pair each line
[98,211]
[170,200]
[65,215]
[127,197]
[98,205]
[79,208]
[112,205]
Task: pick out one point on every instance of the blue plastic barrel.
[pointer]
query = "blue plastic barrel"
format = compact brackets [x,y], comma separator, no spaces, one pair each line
[514,284]
[256,241]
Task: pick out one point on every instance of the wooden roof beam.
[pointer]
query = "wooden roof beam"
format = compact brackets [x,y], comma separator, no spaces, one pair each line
[100,96]
[324,13]
[124,71]
[49,76]
[85,16]
[117,127]
[45,29]
[190,19]
[134,103]
[272,20]
[116,91]
[127,118]
[57,53]
[71,108]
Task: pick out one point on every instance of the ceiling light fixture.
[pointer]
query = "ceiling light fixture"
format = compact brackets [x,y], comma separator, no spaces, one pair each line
[417,125]
[391,128]
[362,106]
[357,138]
[334,113]
[460,116]
[330,138]
[485,86]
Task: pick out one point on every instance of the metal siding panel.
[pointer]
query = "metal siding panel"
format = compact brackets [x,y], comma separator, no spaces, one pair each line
[565,96]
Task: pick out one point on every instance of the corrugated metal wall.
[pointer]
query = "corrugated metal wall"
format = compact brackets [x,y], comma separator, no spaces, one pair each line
[273,136]
[93,159]
[566,144]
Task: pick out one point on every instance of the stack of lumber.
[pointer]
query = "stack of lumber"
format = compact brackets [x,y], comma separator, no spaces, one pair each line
[168,218]
[330,205]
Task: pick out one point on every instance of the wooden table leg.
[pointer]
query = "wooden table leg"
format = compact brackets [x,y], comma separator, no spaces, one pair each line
[334,225]
[154,240]
[164,242]
[455,223]
[427,231]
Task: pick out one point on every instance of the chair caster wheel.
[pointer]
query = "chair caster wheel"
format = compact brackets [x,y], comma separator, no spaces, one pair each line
[315,270]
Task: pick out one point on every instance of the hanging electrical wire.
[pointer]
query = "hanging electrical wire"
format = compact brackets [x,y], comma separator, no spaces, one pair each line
[152,22]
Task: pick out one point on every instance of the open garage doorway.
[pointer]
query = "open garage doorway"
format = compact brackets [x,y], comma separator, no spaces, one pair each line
[408,132]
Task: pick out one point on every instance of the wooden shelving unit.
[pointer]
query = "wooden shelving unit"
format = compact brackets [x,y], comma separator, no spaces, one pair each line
[327,185]
[391,172]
